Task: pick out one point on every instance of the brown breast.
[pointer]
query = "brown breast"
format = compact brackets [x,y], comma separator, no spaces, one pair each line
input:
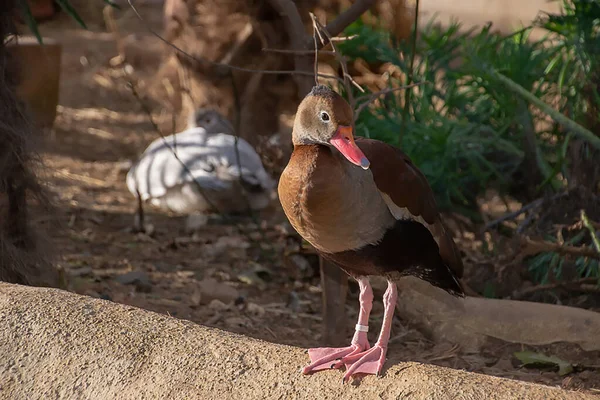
[333,204]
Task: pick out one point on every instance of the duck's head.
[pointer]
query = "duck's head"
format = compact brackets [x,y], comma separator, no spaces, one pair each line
[325,118]
[211,120]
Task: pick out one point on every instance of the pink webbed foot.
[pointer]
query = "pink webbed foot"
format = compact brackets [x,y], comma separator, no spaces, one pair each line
[369,361]
[329,357]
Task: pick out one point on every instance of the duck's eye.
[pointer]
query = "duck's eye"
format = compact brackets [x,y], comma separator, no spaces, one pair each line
[324,116]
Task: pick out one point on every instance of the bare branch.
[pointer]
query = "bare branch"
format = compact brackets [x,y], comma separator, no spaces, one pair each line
[347,78]
[342,38]
[533,205]
[300,52]
[588,224]
[238,117]
[354,12]
[297,34]
[224,67]
[535,247]
[583,285]
[316,51]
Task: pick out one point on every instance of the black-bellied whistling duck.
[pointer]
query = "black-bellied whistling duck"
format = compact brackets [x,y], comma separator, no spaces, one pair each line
[364,206]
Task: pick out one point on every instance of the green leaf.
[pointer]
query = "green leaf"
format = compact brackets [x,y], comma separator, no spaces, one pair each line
[30,20]
[68,8]
[530,358]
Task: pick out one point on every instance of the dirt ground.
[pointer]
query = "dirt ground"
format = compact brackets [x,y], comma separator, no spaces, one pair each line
[242,277]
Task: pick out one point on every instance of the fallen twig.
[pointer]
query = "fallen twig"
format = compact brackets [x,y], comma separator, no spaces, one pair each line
[512,215]
[584,285]
[299,52]
[535,247]
[587,223]
[85,179]
[111,24]
[525,223]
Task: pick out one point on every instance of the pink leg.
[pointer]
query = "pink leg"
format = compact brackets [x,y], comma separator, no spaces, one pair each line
[371,360]
[327,357]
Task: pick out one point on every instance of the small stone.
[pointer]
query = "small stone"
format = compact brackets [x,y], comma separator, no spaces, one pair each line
[196,298]
[302,265]
[293,301]
[236,322]
[195,221]
[240,301]
[81,271]
[185,274]
[92,293]
[218,305]
[235,247]
[256,236]
[210,290]
[255,309]
[139,279]
[124,166]
[105,296]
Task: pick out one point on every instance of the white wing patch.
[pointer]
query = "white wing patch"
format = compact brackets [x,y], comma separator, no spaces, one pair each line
[402,213]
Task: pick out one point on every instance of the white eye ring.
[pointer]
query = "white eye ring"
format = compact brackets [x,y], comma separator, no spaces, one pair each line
[323,116]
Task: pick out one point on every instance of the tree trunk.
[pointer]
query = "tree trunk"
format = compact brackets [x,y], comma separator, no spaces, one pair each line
[20,258]
[231,32]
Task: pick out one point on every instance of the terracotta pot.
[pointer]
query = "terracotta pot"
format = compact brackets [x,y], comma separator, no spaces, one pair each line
[39,76]
[43,9]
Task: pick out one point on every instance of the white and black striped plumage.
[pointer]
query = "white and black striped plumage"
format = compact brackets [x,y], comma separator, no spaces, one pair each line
[207,148]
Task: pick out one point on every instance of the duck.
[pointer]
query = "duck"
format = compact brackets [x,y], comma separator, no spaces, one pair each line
[197,170]
[364,206]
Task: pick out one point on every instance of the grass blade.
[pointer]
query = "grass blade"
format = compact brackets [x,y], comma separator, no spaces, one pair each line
[30,20]
[68,8]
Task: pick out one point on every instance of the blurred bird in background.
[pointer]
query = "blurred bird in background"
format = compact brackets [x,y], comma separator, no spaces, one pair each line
[199,171]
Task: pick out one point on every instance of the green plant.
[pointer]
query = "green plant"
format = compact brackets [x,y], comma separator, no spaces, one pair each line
[463,129]
[577,37]
[65,5]
[481,121]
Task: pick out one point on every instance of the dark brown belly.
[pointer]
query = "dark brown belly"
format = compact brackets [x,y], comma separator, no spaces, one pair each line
[407,248]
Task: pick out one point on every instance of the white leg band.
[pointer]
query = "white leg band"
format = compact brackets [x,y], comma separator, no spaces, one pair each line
[361,328]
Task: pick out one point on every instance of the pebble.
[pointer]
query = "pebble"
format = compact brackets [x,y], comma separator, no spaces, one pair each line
[256,236]
[237,322]
[218,305]
[195,221]
[302,265]
[293,301]
[211,289]
[81,271]
[255,309]
[139,279]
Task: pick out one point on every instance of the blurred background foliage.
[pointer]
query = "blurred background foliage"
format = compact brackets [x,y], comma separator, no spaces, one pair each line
[465,129]
[468,132]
